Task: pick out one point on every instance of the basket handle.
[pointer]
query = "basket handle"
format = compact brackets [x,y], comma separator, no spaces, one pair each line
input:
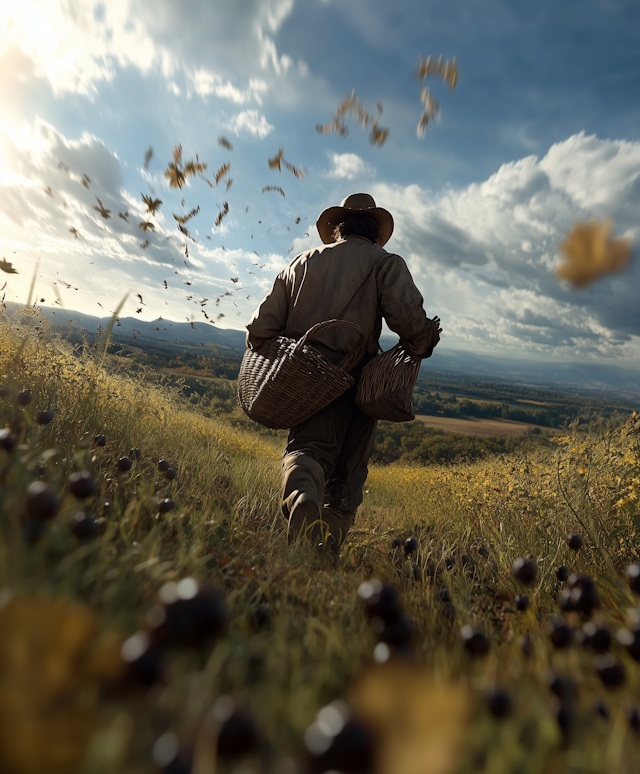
[352,357]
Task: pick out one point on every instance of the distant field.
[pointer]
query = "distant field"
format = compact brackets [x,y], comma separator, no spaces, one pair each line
[495,427]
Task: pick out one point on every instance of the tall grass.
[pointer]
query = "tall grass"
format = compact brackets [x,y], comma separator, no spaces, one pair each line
[470,520]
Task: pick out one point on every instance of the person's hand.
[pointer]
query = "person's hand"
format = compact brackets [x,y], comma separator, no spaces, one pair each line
[436,322]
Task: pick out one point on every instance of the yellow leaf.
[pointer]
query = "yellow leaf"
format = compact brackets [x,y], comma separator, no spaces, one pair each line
[418,724]
[590,253]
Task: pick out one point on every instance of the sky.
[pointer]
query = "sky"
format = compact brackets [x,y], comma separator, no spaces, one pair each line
[541,131]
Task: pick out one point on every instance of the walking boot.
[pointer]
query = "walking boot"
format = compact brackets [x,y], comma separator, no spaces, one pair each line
[304,520]
[338,523]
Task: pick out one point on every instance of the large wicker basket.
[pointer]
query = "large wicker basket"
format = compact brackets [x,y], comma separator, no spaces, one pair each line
[285,381]
[385,389]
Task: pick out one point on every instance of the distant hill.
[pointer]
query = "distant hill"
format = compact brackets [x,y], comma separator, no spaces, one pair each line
[460,364]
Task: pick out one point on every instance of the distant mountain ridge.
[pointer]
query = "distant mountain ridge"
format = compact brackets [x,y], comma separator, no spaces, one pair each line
[583,376]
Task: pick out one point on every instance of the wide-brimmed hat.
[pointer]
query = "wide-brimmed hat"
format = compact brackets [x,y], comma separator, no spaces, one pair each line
[357,202]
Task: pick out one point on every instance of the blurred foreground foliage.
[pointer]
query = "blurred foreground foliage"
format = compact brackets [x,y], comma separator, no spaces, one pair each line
[156,621]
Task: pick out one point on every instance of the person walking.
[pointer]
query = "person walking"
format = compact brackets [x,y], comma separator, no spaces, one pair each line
[350,277]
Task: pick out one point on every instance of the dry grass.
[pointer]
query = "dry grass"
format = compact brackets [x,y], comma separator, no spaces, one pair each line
[470,522]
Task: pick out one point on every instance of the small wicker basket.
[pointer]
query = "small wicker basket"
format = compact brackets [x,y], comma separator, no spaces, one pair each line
[385,389]
[284,381]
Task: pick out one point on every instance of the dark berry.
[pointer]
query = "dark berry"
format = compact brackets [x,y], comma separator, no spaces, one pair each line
[596,638]
[7,440]
[124,464]
[380,600]
[584,597]
[564,719]
[498,703]
[634,719]
[565,603]
[142,658]
[396,631]
[410,546]
[560,634]
[522,603]
[135,454]
[562,574]
[396,542]
[450,562]
[561,687]
[84,527]
[170,474]
[190,614]
[42,504]
[44,417]
[574,542]
[444,595]
[169,757]
[633,577]
[610,671]
[163,465]
[24,398]
[262,615]
[524,570]
[449,612]
[82,484]
[100,440]
[338,742]
[630,641]
[166,505]
[238,735]
[475,641]
[417,573]
[601,709]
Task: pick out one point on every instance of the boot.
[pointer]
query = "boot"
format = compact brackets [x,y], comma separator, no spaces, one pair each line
[339,523]
[304,520]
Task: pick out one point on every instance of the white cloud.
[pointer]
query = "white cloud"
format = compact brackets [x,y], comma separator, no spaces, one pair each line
[485,255]
[221,46]
[348,166]
[249,121]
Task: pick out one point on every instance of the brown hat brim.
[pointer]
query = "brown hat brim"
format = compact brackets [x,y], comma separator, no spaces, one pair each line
[333,216]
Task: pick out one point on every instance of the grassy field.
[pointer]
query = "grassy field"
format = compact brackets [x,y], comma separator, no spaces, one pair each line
[171,629]
[492,427]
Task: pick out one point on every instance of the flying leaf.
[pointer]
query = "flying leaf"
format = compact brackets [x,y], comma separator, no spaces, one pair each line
[222,172]
[85,180]
[378,136]
[225,143]
[153,205]
[145,244]
[590,253]
[447,70]
[273,188]
[7,267]
[48,191]
[229,183]
[274,163]
[124,215]
[419,724]
[188,216]
[145,225]
[222,213]
[185,231]
[101,209]
[74,231]
[349,104]
[429,113]
[148,155]
[62,165]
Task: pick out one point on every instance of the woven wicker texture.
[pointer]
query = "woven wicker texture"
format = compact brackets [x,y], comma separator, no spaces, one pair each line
[385,389]
[286,381]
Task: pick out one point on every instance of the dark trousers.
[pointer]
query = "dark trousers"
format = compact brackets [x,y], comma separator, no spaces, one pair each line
[327,456]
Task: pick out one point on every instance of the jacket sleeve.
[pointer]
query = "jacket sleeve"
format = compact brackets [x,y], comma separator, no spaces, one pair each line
[270,318]
[402,308]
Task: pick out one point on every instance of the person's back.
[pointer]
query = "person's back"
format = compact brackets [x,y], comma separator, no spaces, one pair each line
[349,278]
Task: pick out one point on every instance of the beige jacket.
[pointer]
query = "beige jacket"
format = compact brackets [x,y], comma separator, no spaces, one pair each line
[353,280]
